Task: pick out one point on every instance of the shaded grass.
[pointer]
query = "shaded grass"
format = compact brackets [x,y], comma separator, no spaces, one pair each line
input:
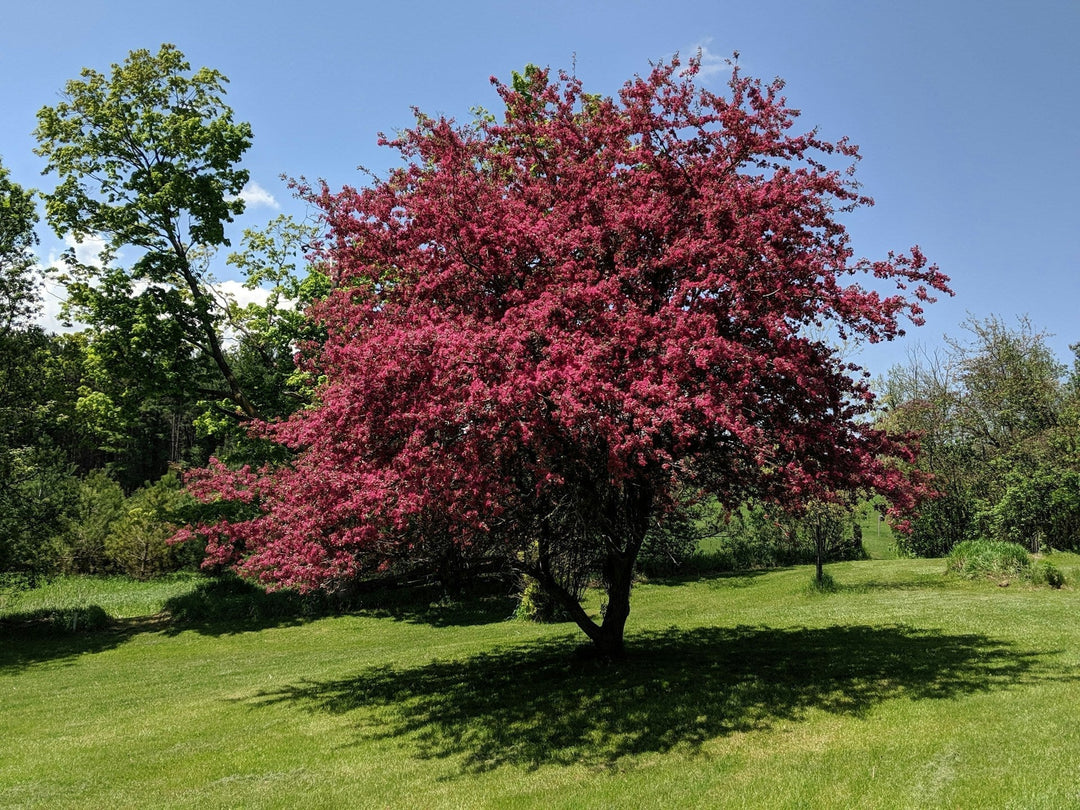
[118,597]
[538,705]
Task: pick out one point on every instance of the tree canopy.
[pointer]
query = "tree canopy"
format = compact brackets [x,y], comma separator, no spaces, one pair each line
[18,217]
[548,329]
[148,160]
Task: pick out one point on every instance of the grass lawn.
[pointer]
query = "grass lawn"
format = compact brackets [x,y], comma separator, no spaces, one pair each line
[903,689]
[877,536]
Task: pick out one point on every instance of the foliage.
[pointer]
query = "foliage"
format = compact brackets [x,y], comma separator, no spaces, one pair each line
[822,583]
[758,536]
[265,337]
[674,540]
[18,286]
[37,496]
[101,506]
[147,159]
[537,605]
[545,328]
[137,543]
[998,431]
[1039,509]
[988,558]
[1044,572]
[939,525]
[36,488]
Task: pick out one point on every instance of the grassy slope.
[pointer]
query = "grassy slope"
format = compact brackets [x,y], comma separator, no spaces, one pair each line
[877,537]
[901,690]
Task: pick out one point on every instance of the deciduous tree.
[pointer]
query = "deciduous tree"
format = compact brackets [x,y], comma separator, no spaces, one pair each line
[549,326]
[148,159]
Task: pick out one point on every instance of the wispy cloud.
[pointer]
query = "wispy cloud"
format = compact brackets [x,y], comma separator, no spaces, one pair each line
[255,195]
[712,63]
[53,295]
[87,251]
[235,291]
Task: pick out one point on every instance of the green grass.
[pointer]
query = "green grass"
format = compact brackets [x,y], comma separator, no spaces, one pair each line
[901,688]
[877,537]
[120,597]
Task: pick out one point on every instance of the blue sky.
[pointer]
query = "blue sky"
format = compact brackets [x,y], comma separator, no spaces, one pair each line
[967,113]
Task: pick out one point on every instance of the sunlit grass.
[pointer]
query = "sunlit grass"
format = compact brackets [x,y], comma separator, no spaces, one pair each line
[119,597]
[901,688]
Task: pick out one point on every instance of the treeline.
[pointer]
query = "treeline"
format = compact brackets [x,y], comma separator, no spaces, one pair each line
[168,368]
[998,420]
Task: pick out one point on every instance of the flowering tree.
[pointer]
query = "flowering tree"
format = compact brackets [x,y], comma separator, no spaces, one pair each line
[547,329]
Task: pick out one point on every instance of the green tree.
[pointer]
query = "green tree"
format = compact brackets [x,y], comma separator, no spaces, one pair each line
[36,490]
[999,432]
[147,158]
[137,542]
[18,286]
[265,336]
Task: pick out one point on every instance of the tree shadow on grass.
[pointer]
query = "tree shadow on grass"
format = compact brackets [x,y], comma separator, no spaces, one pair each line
[41,636]
[222,607]
[229,605]
[545,704]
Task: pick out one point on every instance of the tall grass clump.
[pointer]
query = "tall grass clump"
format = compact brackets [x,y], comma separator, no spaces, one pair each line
[973,559]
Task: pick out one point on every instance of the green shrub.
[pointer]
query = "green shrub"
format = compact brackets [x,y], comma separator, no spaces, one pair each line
[989,558]
[1037,508]
[940,524]
[824,585]
[537,605]
[58,620]
[1046,573]
[38,495]
[100,506]
[138,542]
[229,599]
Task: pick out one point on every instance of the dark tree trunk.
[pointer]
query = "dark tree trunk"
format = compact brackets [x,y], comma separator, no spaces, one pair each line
[631,511]
[620,577]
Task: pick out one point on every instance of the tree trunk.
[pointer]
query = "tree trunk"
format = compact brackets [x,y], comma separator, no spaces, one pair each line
[620,577]
[630,511]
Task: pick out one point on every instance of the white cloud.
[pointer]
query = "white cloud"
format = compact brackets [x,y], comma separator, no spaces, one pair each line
[712,64]
[53,293]
[53,296]
[88,251]
[255,195]
[235,291]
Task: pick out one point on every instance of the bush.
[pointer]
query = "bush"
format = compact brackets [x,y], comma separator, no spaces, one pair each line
[38,495]
[824,585]
[100,506]
[1046,573]
[989,558]
[231,600]
[1038,508]
[940,525]
[58,620]
[537,605]
[138,542]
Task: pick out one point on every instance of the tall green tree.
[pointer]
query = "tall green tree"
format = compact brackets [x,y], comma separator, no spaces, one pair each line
[36,492]
[148,160]
[18,217]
